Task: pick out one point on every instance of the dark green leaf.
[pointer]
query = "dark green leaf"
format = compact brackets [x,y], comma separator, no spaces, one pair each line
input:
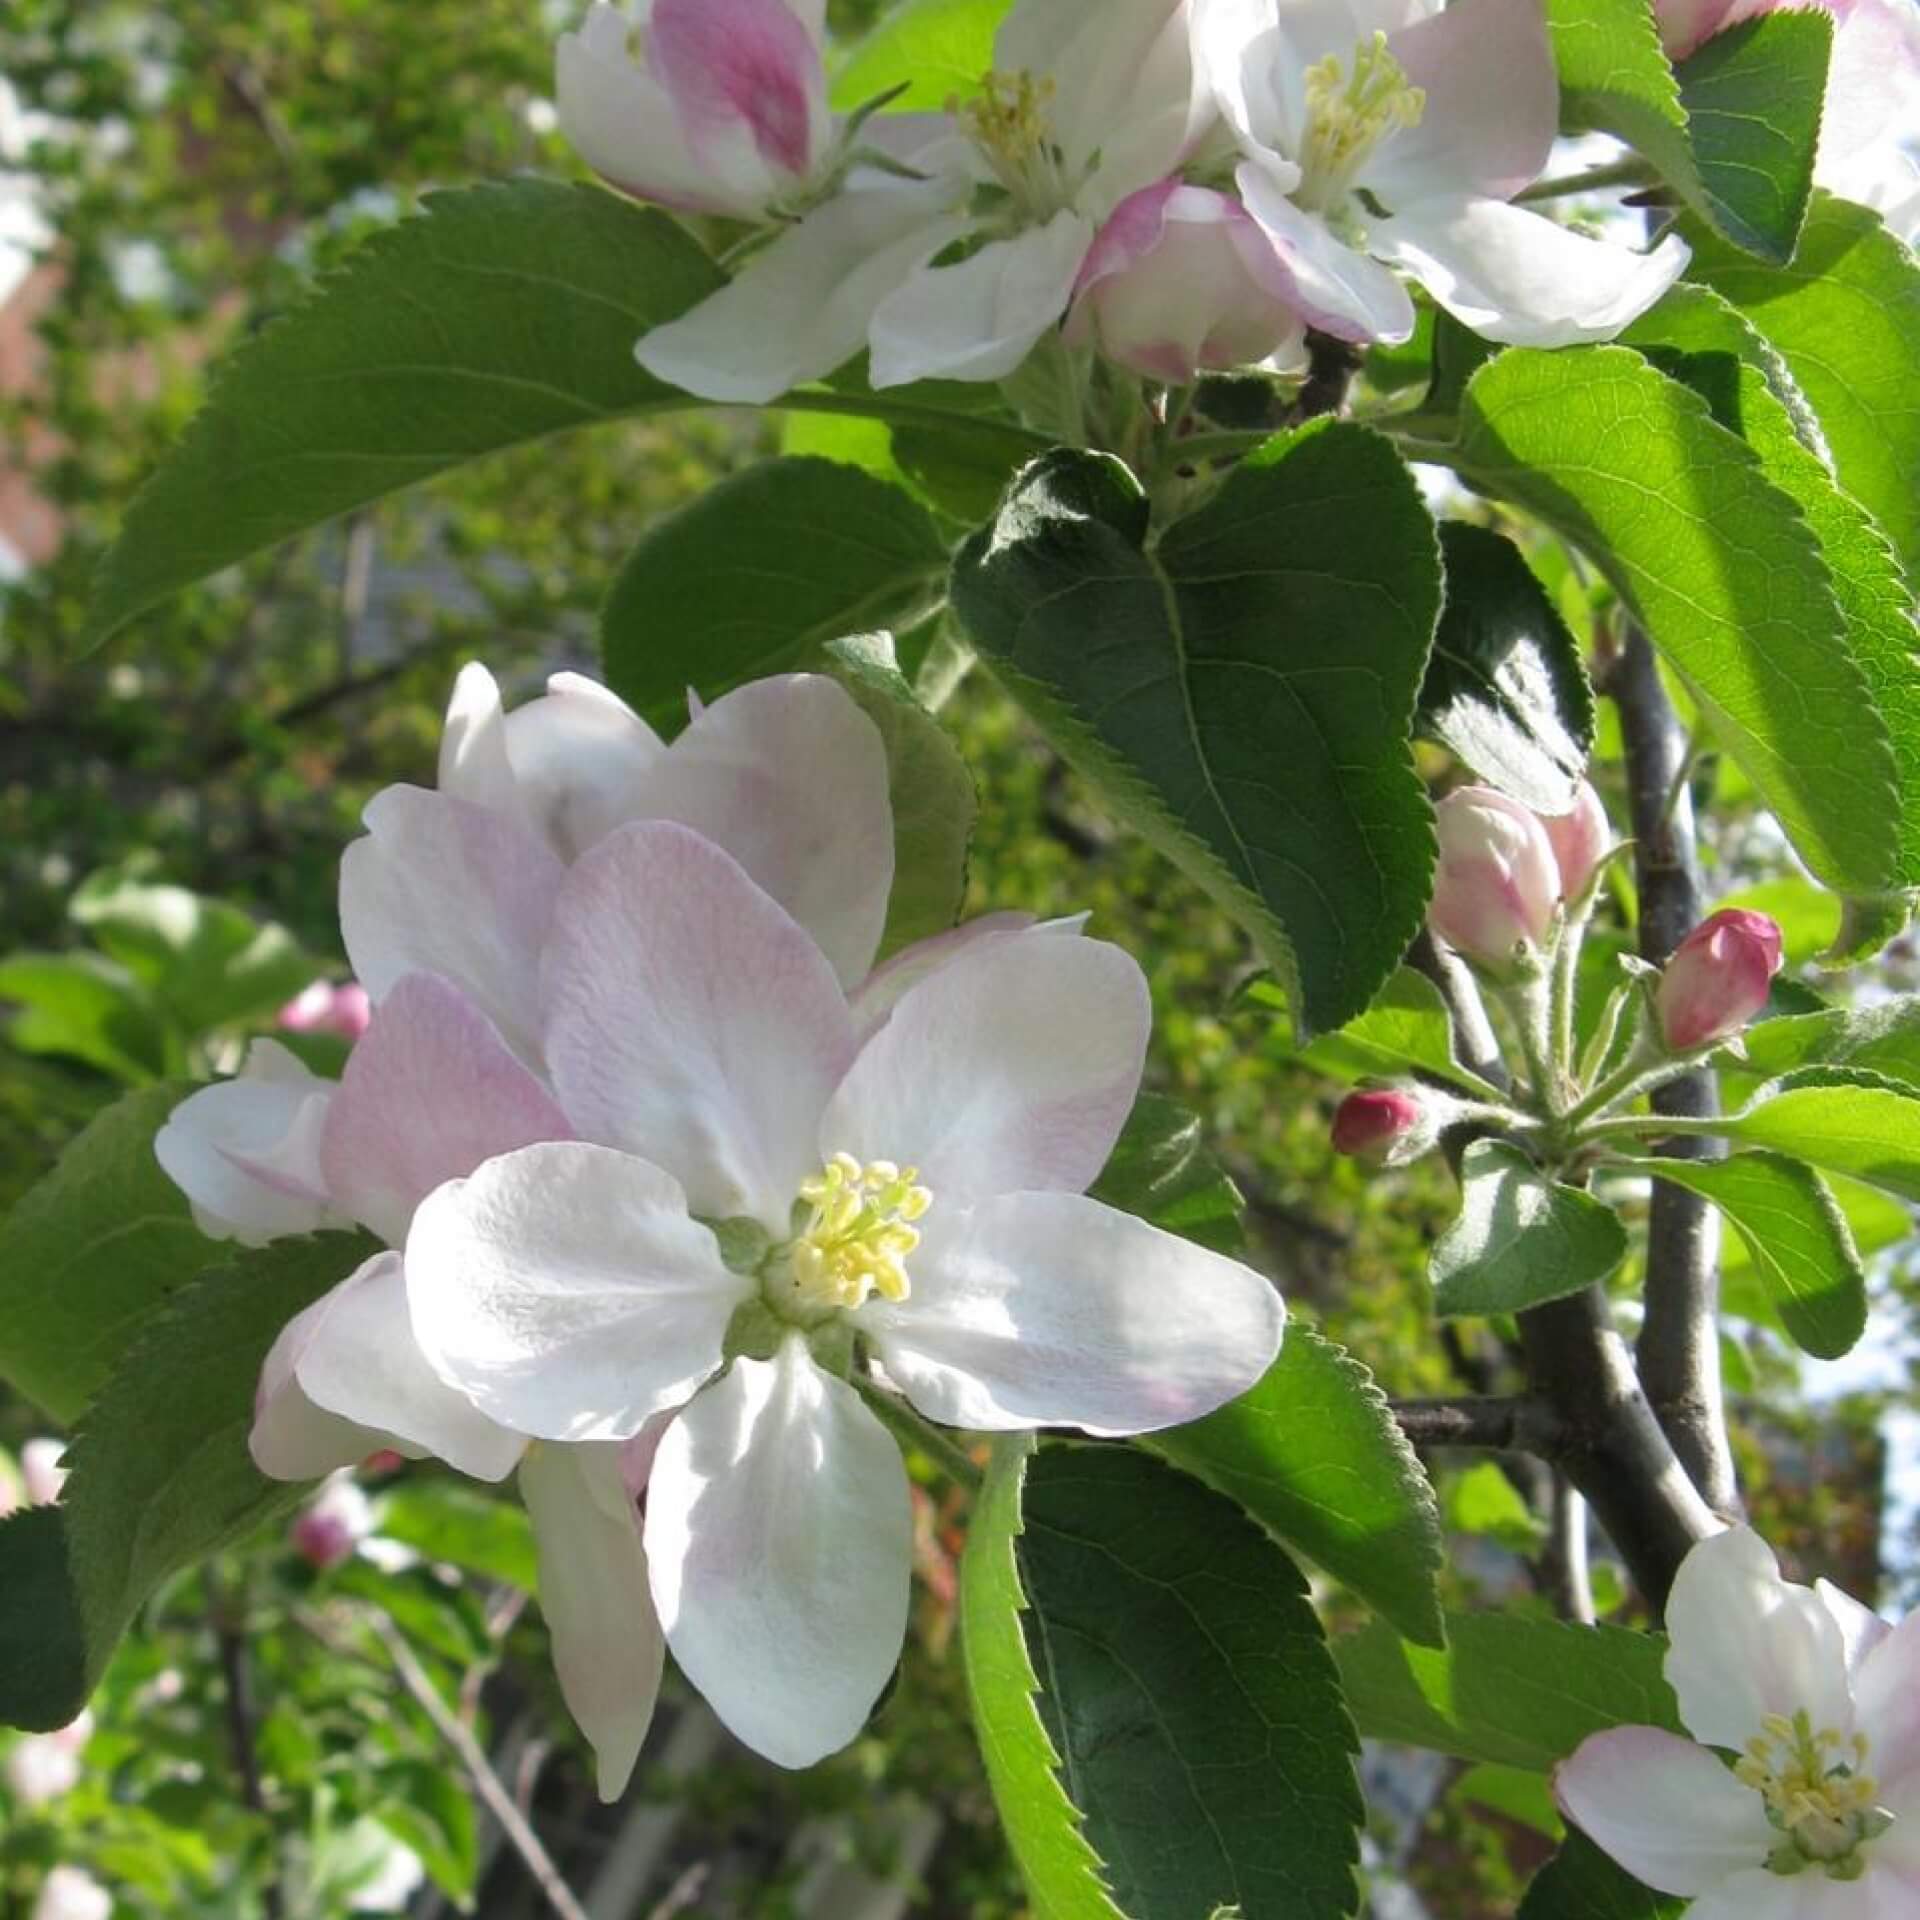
[1842,1119]
[961,474]
[91,1251]
[1581,1883]
[1505,1689]
[1505,690]
[43,1657]
[757,575]
[1188,1688]
[502,314]
[1241,693]
[1631,467]
[928,785]
[1520,1237]
[1313,1454]
[1160,1169]
[1796,1237]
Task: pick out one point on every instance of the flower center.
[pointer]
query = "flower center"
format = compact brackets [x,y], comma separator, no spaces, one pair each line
[1010,120]
[1348,115]
[1818,1794]
[860,1232]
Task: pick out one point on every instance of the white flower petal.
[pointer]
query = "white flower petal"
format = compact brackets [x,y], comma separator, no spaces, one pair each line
[566,1291]
[980,317]
[474,764]
[1013,1066]
[608,1650]
[576,754]
[1337,289]
[1519,277]
[430,1091]
[246,1151]
[1668,1811]
[291,1438]
[691,1021]
[1805,1896]
[1744,1643]
[789,777]
[780,1537]
[439,885]
[1050,1309]
[875,998]
[1886,1700]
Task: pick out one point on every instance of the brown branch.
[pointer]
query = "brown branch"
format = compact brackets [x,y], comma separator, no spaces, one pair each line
[1494,1423]
[228,1608]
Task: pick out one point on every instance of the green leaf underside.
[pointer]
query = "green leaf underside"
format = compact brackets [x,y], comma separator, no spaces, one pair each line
[160,1476]
[929,787]
[1796,1239]
[1242,693]
[1581,1883]
[90,1251]
[1161,1170]
[757,575]
[1630,466]
[1843,1120]
[1186,1684]
[1313,1454]
[1845,316]
[1505,690]
[1061,1871]
[1883,1040]
[1511,1691]
[1520,1237]
[1745,383]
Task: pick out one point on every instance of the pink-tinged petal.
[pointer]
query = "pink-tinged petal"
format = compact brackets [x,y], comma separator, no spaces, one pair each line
[801,307]
[1012,1067]
[474,765]
[691,1021]
[1668,1811]
[1489,122]
[875,998]
[608,1651]
[439,885]
[565,1290]
[1050,1309]
[789,777]
[246,1152]
[428,1094]
[1886,1699]
[291,1437]
[1521,278]
[577,753]
[1744,1643]
[1872,108]
[1760,1895]
[780,1538]
[747,68]
[980,317]
[1335,288]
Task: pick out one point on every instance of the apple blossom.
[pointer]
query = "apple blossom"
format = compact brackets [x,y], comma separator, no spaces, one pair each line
[327,1530]
[1179,281]
[1818,1817]
[41,1767]
[68,1894]
[1580,838]
[1718,979]
[1497,881]
[1374,138]
[324,1007]
[1373,1124]
[756,1191]
[42,1474]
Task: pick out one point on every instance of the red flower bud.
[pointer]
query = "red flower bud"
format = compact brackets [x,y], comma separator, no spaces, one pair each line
[1718,978]
[1580,840]
[1370,1123]
[1497,883]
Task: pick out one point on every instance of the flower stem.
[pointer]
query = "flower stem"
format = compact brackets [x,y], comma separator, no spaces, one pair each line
[913,1430]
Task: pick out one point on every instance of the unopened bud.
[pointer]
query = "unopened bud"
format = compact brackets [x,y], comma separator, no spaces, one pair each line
[1497,883]
[323,1007]
[325,1532]
[1718,978]
[1387,1126]
[1580,840]
[41,1472]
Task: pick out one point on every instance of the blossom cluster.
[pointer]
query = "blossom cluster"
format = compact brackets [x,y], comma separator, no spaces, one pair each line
[685,1200]
[1187,185]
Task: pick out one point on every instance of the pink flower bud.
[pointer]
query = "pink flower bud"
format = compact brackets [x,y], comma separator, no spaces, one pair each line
[1370,1124]
[326,1531]
[1718,978]
[1497,883]
[1181,281]
[325,1008]
[1580,840]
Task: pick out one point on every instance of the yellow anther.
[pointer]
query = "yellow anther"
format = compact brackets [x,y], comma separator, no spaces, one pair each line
[1816,1789]
[1010,120]
[860,1233]
[1348,115]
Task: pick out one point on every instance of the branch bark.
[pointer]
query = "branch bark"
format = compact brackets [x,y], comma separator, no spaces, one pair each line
[1496,1423]
[1678,1350]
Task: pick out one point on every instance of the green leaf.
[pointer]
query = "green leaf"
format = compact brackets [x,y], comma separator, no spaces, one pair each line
[758,574]
[1883,1039]
[961,474]
[1520,1237]
[90,1251]
[928,785]
[43,1677]
[1161,1170]
[1407,1026]
[1581,1883]
[429,1810]
[1241,693]
[1483,1500]
[1188,1688]
[502,314]
[1512,1691]
[1630,466]
[1796,1238]
[1505,690]
[935,48]
[1842,1119]
[1313,1454]
[449,1522]
[1512,1792]
[1845,316]
[86,1007]
[1023,1766]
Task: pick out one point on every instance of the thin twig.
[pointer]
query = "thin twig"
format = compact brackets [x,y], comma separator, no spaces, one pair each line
[1563,1565]
[1510,1423]
[230,1634]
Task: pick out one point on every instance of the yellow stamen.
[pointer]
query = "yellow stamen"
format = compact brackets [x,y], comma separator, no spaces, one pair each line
[1348,116]
[1816,1788]
[861,1230]
[1010,120]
